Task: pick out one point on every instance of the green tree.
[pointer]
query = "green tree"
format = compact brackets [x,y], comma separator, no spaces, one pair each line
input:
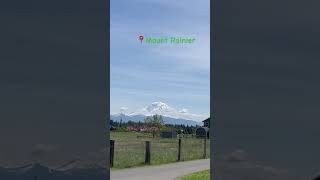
[156,122]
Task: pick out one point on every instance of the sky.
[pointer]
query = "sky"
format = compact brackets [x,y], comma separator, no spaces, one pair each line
[177,75]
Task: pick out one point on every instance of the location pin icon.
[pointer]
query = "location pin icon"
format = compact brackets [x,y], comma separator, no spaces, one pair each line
[141,38]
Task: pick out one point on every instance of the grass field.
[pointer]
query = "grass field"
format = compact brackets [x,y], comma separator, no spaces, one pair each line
[129,150]
[202,175]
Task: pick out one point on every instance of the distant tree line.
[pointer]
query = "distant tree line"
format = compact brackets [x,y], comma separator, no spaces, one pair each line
[155,121]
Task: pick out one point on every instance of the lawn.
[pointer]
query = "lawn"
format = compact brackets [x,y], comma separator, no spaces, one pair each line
[129,150]
[202,175]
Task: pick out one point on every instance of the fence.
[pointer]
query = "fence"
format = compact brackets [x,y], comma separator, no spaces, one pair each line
[133,152]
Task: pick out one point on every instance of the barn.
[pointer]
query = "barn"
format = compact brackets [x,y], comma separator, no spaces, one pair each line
[202,132]
[168,134]
[206,123]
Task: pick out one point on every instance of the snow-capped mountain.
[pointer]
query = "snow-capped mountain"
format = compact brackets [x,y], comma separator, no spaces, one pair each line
[170,114]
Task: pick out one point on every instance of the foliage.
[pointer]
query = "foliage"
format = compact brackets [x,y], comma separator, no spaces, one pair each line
[154,121]
[202,175]
[135,126]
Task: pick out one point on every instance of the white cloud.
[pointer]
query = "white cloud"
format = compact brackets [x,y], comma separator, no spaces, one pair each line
[123,109]
[184,111]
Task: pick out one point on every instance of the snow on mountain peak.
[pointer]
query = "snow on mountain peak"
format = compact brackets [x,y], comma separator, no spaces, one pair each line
[163,109]
[157,107]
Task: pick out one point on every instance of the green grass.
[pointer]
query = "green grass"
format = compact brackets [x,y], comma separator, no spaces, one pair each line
[129,149]
[202,175]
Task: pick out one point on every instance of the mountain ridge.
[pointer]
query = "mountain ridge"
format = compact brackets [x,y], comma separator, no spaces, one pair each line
[167,120]
[170,115]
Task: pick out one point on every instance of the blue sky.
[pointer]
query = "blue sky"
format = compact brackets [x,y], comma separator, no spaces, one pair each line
[175,74]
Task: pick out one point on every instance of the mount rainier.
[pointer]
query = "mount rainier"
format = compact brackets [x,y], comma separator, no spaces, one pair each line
[170,115]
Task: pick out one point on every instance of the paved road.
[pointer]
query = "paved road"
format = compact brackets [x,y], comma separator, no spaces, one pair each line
[161,172]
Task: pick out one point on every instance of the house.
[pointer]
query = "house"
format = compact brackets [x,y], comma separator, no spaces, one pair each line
[206,123]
